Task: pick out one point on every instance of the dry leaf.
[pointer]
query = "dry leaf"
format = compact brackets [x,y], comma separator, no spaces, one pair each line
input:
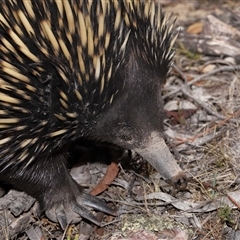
[195,28]
[112,172]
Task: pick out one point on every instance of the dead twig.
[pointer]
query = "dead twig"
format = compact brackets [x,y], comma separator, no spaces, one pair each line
[215,71]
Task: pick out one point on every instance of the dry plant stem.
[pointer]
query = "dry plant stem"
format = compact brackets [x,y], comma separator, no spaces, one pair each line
[135,204]
[189,140]
[140,176]
[110,223]
[130,186]
[221,69]
[145,199]
[65,232]
[217,61]
[181,73]
[234,201]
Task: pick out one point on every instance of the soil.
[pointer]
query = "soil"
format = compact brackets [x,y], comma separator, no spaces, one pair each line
[202,103]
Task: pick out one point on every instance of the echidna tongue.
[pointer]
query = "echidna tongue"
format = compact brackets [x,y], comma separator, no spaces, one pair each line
[157,153]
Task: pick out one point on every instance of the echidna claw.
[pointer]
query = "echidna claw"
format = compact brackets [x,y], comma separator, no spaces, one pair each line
[61,218]
[96,203]
[85,213]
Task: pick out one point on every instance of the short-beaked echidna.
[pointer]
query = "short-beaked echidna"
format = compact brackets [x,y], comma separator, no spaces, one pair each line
[72,69]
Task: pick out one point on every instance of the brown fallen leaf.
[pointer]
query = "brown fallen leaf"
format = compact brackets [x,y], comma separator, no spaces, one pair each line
[111,174]
[195,28]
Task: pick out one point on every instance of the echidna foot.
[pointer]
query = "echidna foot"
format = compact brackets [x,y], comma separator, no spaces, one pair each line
[72,211]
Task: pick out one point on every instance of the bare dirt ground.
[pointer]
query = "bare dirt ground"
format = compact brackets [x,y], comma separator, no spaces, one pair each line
[202,105]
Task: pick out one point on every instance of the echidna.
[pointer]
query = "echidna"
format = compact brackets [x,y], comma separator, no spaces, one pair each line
[79,69]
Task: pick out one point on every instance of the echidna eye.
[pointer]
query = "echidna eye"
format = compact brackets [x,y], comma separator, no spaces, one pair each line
[125,132]
[125,137]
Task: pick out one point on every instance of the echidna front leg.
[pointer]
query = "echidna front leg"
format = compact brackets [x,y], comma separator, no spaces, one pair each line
[70,205]
[62,199]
